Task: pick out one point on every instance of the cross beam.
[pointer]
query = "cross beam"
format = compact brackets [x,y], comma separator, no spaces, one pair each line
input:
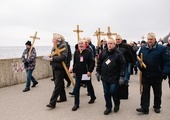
[78,31]
[34,38]
[98,33]
[57,52]
[109,33]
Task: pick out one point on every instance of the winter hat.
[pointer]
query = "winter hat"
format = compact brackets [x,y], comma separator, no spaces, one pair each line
[28,43]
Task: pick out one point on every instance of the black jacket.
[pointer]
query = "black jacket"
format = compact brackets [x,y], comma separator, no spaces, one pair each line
[83,62]
[111,65]
[128,52]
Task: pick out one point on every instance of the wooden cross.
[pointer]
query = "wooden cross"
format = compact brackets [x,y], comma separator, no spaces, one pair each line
[109,34]
[98,33]
[34,38]
[142,64]
[78,31]
[143,37]
[57,52]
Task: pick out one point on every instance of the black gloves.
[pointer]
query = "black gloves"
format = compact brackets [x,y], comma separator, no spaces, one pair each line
[98,76]
[121,81]
[164,76]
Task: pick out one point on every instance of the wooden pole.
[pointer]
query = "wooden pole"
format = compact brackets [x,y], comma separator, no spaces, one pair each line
[78,31]
[98,34]
[34,38]
[142,65]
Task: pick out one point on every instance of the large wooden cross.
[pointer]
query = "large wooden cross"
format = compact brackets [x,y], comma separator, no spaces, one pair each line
[142,64]
[57,52]
[78,31]
[109,34]
[98,33]
[34,38]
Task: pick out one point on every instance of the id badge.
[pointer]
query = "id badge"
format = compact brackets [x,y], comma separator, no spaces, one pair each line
[108,61]
[81,58]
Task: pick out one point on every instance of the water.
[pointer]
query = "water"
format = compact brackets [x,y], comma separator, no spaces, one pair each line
[7,52]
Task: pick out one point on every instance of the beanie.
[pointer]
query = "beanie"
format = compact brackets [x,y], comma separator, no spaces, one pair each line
[28,43]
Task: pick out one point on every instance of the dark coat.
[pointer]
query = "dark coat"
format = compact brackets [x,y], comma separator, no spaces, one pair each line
[86,65]
[69,55]
[155,59]
[168,57]
[128,52]
[57,60]
[112,70]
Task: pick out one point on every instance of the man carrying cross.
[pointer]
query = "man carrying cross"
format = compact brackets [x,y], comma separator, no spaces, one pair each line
[29,61]
[58,68]
[155,59]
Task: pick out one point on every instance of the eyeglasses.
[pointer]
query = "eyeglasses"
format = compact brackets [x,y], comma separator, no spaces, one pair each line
[150,39]
[117,39]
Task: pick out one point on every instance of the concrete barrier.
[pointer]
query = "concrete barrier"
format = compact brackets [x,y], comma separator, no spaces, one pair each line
[12,71]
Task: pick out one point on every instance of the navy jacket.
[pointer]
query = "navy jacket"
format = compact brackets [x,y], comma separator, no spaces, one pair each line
[155,59]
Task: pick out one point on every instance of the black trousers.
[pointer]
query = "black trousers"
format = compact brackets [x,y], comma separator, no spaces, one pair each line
[59,87]
[156,84]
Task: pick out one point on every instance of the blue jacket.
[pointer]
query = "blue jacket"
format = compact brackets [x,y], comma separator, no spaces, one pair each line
[155,59]
[168,57]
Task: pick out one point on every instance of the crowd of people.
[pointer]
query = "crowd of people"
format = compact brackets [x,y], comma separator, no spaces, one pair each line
[116,60]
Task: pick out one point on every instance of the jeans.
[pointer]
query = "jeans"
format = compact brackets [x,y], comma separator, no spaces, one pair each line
[76,90]
[110,91]
[30,78]
[128,72]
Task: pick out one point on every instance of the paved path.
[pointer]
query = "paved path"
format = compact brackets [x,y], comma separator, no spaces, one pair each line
[16,105]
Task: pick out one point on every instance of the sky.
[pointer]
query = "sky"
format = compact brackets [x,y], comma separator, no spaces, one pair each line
[132,19]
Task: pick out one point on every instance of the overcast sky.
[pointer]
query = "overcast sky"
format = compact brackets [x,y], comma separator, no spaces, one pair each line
[20,19]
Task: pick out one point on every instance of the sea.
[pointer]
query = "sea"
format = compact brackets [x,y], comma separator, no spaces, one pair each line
[8,52]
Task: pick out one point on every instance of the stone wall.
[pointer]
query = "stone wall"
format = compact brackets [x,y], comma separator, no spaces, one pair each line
[12,71]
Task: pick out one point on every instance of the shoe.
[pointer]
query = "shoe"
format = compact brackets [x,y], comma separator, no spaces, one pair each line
[157,110]
[142,110]
[116,108]
[50,106]
[34,84]
[68,84]
[88,94]
[71,93]
[61,100]
[75,107]
[52,79]
[92,100]
[107,111]
[26,89]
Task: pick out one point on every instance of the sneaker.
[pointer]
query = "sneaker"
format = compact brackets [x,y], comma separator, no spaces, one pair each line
[26,89]
[157,110]
[34,84]
[107,111]
[142,110]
